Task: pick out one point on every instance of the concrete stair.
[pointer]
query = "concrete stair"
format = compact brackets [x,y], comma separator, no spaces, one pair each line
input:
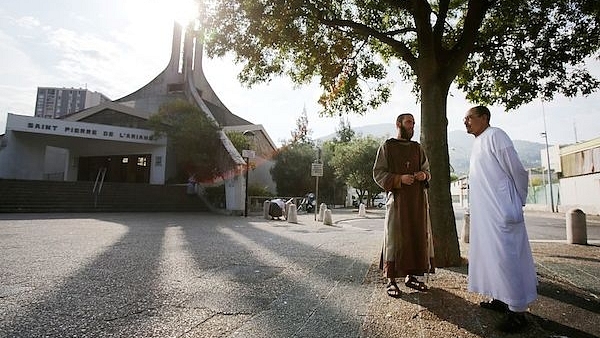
[60,196]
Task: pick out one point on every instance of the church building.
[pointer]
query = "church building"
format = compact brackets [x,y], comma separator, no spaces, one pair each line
[114,136]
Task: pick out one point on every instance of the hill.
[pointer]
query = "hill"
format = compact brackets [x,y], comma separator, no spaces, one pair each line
[459,145]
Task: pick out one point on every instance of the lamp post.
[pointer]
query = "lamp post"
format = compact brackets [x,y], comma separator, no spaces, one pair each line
[545,136]
[247,155]
[317,171]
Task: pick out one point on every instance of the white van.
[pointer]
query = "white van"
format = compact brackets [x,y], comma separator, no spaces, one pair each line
[379,200]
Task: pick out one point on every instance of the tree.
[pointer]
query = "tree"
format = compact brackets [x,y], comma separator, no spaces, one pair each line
[332,189]
[353,161]
[344,133]
[302,134]
[291,171]
[239,140]
[193,137]
[293,161]
[508,52]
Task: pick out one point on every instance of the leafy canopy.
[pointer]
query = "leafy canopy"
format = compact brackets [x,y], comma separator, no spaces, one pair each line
[291,171]
[507,52]
[353,161]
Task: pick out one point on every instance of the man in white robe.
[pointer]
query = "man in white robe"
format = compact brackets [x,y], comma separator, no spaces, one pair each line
[500,261]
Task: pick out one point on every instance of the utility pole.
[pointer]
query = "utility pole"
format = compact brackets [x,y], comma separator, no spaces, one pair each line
[545,136]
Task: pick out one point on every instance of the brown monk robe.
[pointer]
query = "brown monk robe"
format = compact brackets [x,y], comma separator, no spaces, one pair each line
[402,170]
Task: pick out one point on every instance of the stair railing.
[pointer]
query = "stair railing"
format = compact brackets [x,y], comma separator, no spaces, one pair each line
[98,184]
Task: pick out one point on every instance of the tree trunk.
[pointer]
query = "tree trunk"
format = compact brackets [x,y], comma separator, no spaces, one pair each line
[434,138]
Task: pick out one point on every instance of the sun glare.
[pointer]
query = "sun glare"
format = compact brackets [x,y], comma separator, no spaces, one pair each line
[184,11]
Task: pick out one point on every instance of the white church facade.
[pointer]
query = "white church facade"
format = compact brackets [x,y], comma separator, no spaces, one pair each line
[115,135]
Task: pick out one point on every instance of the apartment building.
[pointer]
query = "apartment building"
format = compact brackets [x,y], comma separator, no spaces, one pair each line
[52,102]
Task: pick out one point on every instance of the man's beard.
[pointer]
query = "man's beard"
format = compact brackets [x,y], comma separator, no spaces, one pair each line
[405,133]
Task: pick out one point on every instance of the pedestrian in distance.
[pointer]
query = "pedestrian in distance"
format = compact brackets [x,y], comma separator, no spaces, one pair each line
[500,260]
[401,169]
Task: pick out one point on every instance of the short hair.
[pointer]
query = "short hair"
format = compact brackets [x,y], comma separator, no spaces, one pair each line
[482,110]
[402,116]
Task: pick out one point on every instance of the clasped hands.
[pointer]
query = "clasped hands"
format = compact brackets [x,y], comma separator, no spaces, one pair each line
[408,179]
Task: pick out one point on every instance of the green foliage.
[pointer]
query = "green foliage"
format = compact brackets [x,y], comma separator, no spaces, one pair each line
[516,50]
[535,48]
[353,162]
[344,132]
[291,171]
[216,195]
[258,190]
[302,133]
[453,177]
[332,189]
[239,140]
[535,181]
[193,137]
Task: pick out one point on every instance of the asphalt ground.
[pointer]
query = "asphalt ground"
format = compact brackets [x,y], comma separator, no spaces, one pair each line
[206,275]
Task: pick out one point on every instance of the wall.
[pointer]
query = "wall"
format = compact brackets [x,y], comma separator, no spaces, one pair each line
[581,192]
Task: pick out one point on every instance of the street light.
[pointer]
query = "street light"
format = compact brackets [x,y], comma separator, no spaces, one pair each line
[545,136]
[247,154]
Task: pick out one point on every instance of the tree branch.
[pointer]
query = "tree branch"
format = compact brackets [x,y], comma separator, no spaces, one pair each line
[462,49]
[438,29]
[385,37]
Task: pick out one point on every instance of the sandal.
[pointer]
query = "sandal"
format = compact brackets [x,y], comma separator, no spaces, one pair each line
[495,305]
[413,283]
[512,322]
[392,289]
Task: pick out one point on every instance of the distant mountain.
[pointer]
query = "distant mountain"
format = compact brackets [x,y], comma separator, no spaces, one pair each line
[459,145]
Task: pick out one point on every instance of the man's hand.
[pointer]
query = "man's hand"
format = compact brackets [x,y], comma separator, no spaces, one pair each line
[407,179]
[420,176]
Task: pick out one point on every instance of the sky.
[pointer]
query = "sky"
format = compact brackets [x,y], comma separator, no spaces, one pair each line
[117,46]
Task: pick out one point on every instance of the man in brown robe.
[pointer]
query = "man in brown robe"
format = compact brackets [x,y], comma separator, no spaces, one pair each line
[402,170]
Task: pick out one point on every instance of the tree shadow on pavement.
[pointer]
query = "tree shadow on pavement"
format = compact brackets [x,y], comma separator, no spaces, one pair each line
[292,280]
[584,259]
[449,310]
[567,295]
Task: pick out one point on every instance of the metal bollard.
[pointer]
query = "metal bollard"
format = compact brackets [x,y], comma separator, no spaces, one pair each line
[466,227]
[576,227]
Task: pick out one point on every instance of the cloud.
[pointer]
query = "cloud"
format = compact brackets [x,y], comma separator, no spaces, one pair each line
[19,78]
[28,22]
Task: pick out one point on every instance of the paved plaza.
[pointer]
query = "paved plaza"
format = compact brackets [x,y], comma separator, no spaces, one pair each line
[206,275]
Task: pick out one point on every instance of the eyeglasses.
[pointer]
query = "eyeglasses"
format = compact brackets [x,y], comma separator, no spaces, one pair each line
[470,117]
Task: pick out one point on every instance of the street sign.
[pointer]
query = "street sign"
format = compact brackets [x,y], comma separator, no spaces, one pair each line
[316,169]
[248,153]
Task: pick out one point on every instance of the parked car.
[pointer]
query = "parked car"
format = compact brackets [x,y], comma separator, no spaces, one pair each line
[379,200]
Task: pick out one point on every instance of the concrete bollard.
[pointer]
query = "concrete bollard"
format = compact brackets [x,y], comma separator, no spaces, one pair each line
[292,213]
[266,206]
[464,236]
[362,210]
[327,217]
[576,227]
[322,209]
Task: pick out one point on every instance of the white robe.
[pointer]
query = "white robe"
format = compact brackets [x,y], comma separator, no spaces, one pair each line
[500,261]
